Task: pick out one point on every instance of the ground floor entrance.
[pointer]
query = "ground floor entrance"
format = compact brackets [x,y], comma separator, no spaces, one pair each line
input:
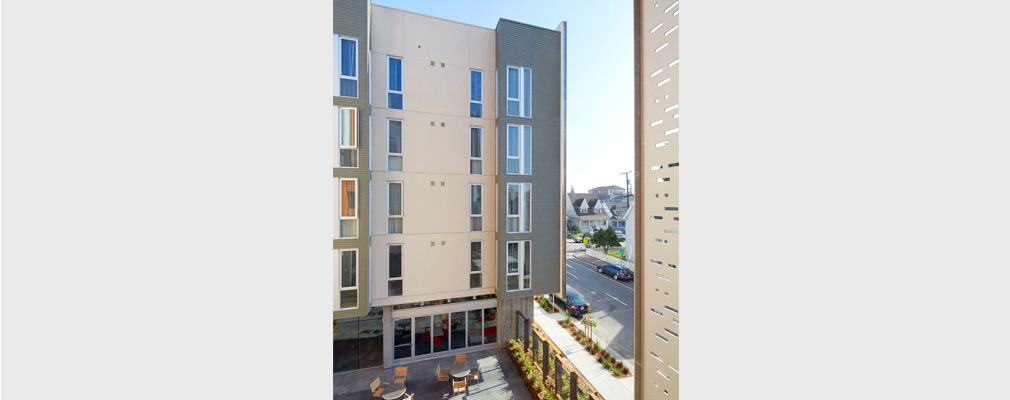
[422,331]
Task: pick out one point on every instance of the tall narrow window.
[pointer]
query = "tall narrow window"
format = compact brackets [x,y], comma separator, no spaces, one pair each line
[347,279]
[395,207]
[395,162]
[345,66]
[476,94]
[476,220]
[395,270]
[519,210]
[401,338]
[527,147]
[512,215]
[519,92]
[518,152]
[345,120]
[527,266]
[347,213]
[518,267]
[475,264]
[527,92]
[526,210]
[476,150]
[395,83]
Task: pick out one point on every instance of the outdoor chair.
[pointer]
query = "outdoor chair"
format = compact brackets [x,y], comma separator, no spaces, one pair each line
[409,397]
[459,386]
[401,375]
[442,377]
[461,358]
[474,374]
[376,390]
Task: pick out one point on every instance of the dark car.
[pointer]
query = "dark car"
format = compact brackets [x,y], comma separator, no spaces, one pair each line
[574,303]
[616,271]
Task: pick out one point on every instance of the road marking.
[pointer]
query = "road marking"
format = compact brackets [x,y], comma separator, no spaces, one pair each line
[573,275]
[612,297]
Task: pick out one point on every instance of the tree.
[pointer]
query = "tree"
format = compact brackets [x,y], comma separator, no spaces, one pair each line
[576,230]
[606,238]
[589,322]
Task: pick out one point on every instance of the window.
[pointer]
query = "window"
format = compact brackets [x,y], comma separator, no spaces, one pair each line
[520,93]
[395,162]
[401,338]
[476,93]
[345,66]
[519,208]
[395,100]
[476,150]
[518,265]
[347,213]
[519,147]
[395,270]
[527,267]
[395,207]
[347,279]
[346,122]
[476,220]
[475,264]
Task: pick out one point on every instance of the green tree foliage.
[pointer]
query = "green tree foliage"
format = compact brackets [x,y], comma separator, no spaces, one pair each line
[606,238]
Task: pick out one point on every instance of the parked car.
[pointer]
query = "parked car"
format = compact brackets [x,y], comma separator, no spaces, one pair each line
[616,271]
[574,303]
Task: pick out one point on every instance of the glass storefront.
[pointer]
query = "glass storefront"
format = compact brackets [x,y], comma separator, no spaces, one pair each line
[357,342]
[440,332]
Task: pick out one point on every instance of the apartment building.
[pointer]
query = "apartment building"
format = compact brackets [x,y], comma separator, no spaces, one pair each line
[657,216]
[463,148]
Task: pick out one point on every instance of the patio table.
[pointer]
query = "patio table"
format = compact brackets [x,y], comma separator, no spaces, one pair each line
[394,391]
[460,370]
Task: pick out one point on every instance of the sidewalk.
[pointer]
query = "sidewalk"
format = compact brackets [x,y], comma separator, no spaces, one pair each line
[609,387]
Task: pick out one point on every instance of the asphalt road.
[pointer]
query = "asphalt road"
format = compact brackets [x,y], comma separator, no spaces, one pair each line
[611,304]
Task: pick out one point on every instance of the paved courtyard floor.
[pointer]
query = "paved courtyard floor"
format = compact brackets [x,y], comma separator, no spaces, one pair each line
[498,379]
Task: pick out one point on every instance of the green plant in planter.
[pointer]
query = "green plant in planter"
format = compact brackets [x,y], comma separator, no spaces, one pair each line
[607,364]
[568,320]
[596,346]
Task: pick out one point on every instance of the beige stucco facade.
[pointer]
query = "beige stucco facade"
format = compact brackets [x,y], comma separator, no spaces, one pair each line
[657,225]
[438,56]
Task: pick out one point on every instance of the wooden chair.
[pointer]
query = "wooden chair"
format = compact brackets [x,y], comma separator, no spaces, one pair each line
[461,358]
[409,397]
[401,375]
[376,390]
[442,377]
[459,386]
[474,374]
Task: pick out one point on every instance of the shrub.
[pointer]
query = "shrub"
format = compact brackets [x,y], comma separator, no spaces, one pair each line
[596,346]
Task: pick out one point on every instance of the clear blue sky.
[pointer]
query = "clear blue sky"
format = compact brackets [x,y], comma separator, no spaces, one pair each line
[600,74]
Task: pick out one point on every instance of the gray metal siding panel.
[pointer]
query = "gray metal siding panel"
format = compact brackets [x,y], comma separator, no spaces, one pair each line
[538,49]
[350,18]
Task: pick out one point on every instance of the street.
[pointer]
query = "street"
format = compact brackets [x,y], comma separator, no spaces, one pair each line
[611,304]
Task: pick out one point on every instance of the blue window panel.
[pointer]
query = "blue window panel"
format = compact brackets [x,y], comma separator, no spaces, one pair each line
[396,101]
[396,74]
[527,92]
[348,87]
[475,110]
[475,85]
[348,57]
[513,83]
[513,150]
[513,107]
[526,149]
